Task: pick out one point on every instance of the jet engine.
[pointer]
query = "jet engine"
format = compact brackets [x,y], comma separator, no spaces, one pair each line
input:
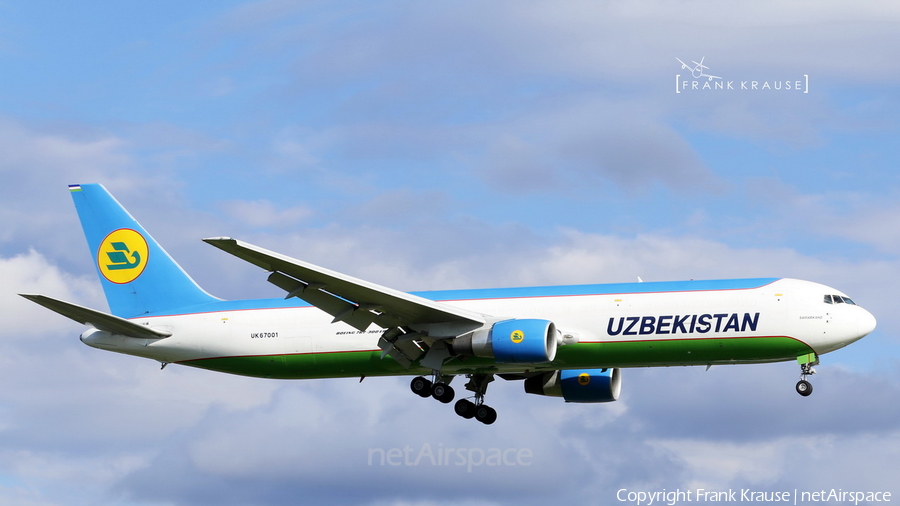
[578,385]
[517,341]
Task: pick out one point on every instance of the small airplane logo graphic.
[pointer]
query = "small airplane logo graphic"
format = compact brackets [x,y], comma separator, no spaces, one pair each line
[122,256]
[697,69]
[120,260]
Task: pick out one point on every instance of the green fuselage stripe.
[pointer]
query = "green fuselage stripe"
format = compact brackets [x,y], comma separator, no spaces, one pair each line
[658,353]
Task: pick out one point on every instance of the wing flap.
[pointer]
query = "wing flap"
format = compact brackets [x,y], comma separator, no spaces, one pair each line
[354,315]
[354,301]
[98,319]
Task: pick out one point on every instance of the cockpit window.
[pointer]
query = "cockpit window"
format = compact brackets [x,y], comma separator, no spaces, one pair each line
[838,299]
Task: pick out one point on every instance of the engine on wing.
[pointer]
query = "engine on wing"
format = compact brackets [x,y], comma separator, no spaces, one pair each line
[578,385]
[511,342]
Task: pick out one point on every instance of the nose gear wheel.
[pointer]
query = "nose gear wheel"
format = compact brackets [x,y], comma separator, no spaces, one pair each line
[804,387]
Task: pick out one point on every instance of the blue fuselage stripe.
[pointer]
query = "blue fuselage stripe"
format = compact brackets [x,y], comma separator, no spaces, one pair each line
[504,293]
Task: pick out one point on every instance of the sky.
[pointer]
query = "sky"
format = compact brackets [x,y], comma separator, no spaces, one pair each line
[440,145]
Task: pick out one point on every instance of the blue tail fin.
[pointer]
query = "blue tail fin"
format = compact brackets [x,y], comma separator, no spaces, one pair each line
[137,274]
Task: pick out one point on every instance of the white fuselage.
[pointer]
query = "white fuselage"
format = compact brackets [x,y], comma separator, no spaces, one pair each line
[623,321]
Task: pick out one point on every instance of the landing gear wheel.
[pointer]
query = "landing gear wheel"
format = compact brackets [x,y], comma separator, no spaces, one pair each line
[804,388]
[420,386]
[442,392]
[485,414]
[464,408]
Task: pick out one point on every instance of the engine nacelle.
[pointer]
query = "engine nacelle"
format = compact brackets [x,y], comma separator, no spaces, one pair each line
[578,385]
[524,341]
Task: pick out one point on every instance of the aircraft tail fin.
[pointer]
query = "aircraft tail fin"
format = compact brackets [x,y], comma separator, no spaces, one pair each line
[137,274]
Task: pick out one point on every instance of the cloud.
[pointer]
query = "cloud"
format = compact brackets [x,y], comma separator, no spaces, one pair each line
[587,144]
[262,214]
[544,91]
[45,153]
[31,272]
[40,160]
[39,164]
[312,435]
[575,98]
[581,40]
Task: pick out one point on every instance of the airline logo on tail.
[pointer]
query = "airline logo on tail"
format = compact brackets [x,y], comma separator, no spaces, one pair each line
[123,256]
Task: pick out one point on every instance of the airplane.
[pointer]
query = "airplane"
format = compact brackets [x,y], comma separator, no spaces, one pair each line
[697,69]
[562,341]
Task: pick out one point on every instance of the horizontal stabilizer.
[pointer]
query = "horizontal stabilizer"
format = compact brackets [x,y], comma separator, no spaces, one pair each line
[100,320]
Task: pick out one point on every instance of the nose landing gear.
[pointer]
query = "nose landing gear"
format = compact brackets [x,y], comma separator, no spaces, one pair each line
[804,387]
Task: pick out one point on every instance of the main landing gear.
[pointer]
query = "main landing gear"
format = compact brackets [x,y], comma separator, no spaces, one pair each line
[479,410]
[804,387]
[442,391]
[439,389]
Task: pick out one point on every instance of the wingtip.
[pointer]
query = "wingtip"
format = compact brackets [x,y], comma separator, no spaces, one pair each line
[220,241]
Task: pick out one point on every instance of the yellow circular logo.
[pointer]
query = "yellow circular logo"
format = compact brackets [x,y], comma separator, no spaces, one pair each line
[122,256]
[517,336]
[584,378]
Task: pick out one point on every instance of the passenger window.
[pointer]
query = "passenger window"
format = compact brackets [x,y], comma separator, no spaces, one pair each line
[828,299]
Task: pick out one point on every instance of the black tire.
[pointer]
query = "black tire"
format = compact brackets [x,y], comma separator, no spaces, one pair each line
[420,386]
[485,414]
[442,392]
[464,408]
[804,388]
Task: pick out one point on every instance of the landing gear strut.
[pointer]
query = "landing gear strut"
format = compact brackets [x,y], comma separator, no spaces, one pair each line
[441,390]
[804,387]
[479,410]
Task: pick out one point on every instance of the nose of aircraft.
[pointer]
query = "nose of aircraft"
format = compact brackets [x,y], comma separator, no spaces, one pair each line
[865,324]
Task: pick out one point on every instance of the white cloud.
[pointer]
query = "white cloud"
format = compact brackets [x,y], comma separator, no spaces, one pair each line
[590,143]
[31,273]
[582,39]
[45,153]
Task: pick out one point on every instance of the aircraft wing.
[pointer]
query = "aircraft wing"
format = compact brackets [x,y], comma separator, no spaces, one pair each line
[354,301]
[97,319]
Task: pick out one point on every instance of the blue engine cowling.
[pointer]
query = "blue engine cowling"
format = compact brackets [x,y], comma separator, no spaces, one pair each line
[578,385]
[524,341]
